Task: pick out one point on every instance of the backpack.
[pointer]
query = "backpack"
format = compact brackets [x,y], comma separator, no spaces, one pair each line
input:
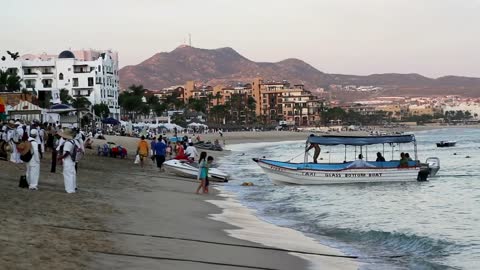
[77,153]
[27,156]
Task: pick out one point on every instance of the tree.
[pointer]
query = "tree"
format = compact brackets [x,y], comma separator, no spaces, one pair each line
[159,108]
[198,105]
[174,102]
[179,119]
[65,98]
[218,96]
[9,82]
[81,103]
[101,110]
[251,106]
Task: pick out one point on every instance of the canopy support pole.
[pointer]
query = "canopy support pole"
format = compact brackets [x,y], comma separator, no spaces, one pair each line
[345,159]
[415,149]
[393,146]
[366,152]
[305,158]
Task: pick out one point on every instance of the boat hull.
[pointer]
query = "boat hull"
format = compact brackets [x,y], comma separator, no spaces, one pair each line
[182,169]
[446,144]
[282,175]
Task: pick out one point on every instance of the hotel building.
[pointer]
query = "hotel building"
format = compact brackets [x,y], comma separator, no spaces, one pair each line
[85,73]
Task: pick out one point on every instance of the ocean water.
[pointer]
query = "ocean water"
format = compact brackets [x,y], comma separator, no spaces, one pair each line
[416,225]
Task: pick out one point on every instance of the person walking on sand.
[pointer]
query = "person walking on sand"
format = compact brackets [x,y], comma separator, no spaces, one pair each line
[69,173]
[207,183]
[159,150]
[152,149]
[142,150]
[33,166]
[202,172]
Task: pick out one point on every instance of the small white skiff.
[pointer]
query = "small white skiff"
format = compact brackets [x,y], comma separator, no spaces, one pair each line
[308,173]
[185,169]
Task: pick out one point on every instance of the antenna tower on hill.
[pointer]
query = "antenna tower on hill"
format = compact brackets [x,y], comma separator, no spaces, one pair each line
[189,39]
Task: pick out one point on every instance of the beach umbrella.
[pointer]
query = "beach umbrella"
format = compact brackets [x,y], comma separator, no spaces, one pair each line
[111,121]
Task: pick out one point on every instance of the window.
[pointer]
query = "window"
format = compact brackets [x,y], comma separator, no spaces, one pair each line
[99,68]
[90,81]
[75,82]
[60,76]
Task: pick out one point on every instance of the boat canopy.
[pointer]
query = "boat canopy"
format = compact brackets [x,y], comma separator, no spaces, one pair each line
[360,140]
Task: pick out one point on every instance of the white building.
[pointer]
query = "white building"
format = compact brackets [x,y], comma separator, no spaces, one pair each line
[85,73]
[473,108]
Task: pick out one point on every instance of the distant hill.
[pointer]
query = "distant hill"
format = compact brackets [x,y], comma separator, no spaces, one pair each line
[225,65]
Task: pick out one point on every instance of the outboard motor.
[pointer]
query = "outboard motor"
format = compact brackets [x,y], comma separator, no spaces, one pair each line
[423,175]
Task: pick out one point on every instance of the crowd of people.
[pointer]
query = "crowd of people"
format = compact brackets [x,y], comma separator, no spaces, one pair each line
[162,149]
[29,142]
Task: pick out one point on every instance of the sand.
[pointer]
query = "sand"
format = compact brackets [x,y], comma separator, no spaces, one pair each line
[125,217]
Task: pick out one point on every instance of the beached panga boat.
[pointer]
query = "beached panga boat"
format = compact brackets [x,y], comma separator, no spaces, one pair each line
[185,169]
[308,173]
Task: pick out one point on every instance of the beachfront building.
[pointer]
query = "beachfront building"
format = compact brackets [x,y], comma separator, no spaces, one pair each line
[280,101]
[269,101]
[472,107]
[418,110]
[84,73]
[164,93]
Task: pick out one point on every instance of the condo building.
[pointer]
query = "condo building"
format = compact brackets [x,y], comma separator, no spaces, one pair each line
[275,102]
[85,73]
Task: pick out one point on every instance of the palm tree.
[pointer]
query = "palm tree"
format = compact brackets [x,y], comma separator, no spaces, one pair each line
[209,100]
[80,103]
[9,82]
[218,96]
[137,90]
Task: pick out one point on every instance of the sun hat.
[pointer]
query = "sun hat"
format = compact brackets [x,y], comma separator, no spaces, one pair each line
[66,134]
[24,147]
[11,124]
[18,123]
[33,133]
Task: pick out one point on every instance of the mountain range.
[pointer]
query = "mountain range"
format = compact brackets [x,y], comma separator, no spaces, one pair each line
[226,66]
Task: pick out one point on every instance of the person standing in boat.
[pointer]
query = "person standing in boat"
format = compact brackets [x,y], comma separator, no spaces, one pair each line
[317,151]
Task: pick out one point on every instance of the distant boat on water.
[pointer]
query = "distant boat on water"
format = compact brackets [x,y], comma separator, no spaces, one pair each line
[446,144]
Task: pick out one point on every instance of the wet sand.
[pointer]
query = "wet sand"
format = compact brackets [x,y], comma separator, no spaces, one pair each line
[125,217]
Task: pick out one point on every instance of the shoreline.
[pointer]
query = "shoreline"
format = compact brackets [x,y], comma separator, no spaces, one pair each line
[114,196]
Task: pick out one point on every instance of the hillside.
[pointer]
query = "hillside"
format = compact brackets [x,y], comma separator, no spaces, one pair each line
[225,65]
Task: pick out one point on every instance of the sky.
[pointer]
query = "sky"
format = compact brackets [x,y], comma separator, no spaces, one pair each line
[430,37]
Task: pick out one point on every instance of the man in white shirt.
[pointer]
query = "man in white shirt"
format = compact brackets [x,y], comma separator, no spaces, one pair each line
[191,152]
[33,166]
[360,163]
[69,177]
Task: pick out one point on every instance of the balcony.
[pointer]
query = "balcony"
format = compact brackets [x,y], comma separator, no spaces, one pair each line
[81,71]
[47,85]
[82,93]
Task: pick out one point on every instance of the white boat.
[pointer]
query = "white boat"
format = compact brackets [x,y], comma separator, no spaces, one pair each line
[186,169]
[308,173]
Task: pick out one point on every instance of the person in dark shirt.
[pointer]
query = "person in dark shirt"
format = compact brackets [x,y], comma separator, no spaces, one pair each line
[160,150]
[380,158]
[316,152]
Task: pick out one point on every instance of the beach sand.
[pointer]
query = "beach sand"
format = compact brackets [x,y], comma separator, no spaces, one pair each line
[125,217]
